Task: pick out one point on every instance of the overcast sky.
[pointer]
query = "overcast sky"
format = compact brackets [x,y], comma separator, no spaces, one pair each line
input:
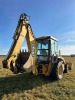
[47,17]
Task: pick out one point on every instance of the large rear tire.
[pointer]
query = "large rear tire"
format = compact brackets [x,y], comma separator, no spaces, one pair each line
[57,71]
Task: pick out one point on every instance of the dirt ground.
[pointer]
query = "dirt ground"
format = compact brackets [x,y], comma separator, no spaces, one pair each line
[25,86]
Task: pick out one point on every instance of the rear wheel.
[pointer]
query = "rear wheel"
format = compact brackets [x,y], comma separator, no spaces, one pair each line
[57,72]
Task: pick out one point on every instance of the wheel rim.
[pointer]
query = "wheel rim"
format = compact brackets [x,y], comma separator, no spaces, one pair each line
[60,71]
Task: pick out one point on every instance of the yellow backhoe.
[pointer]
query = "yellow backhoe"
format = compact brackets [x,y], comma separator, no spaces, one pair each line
[42,56]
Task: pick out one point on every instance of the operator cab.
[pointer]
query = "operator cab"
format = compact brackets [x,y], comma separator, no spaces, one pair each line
[47,47]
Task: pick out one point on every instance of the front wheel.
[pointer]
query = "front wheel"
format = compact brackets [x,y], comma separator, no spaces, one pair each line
[66,68]
[57,72]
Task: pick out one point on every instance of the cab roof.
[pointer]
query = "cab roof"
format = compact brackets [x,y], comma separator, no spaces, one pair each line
[46,37]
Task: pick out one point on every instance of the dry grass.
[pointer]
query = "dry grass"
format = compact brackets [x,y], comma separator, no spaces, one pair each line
[29,87]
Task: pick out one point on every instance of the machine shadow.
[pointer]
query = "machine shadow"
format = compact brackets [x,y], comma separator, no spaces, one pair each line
[21,82]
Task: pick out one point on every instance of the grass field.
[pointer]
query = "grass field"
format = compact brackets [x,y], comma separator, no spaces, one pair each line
[24,86]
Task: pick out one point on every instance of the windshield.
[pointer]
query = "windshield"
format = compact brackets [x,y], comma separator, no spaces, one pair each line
[42,50]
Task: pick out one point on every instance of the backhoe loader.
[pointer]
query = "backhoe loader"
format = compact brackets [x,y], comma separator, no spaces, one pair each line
[42,56]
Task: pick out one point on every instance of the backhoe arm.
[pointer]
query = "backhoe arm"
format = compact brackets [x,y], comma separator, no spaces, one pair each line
[23,31]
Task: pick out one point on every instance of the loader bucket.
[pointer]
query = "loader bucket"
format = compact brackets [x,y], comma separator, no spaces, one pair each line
[28,65]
